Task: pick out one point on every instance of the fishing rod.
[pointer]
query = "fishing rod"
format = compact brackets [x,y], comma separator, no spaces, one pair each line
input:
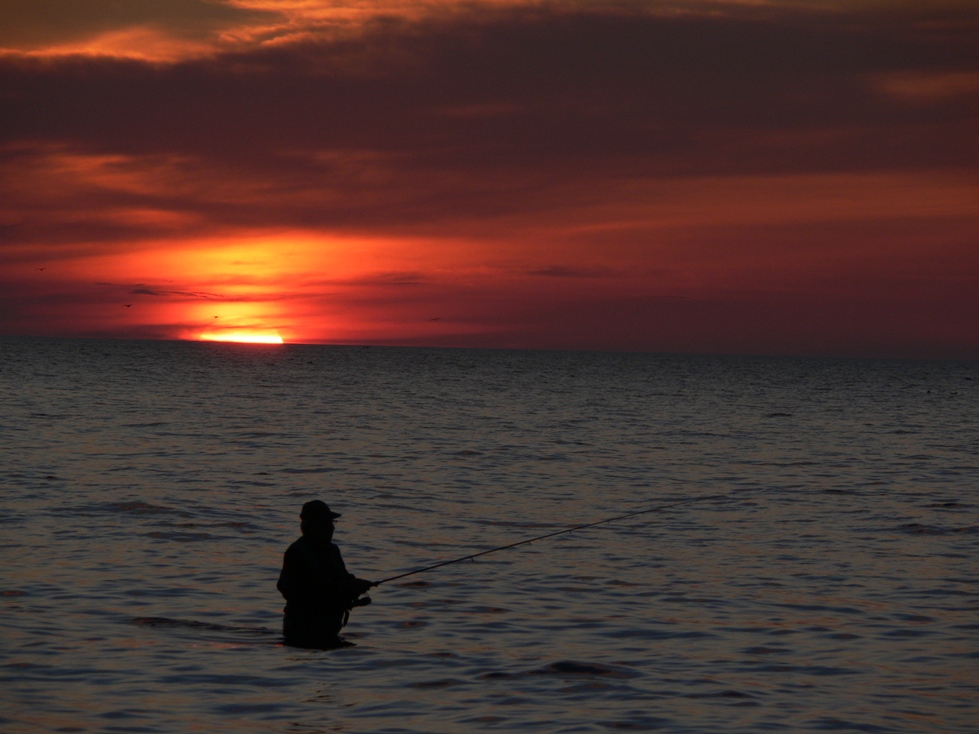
[474,556]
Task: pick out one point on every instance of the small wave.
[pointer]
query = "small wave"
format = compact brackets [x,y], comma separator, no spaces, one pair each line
[315,470]
[815,670]
[782,464]
[761,650]
[827,724]
[179,537]
[195,626]
[518,524]
[128,507]
[719,694]
[570,668]
[819,608]
[915,617]
[654,634]
[914,528]
[142,508]
[442,683]
[906,633]
[183,527]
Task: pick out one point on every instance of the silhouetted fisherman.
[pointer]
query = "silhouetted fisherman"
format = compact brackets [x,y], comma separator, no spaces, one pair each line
[319,590]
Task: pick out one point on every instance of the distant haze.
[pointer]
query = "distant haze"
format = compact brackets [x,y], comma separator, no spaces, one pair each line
[788,177]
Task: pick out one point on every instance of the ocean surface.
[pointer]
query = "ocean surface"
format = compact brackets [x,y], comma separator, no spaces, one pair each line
[819,573]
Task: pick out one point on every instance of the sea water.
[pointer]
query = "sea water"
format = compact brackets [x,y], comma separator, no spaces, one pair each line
[149,489]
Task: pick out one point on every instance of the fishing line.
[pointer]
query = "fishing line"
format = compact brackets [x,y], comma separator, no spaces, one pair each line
[474,556]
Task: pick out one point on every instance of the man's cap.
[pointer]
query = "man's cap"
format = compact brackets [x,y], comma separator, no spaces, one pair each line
[317,510]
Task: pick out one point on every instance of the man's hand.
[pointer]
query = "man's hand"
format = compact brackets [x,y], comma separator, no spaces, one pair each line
[362,586]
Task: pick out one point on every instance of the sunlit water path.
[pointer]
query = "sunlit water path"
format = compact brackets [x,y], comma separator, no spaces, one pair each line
[148,490]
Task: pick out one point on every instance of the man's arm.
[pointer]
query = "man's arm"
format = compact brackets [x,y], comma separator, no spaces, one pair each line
[351,585]
[294,579]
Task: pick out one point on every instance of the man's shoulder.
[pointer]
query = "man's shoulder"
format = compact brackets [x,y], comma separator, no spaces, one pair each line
[303,546]
[299,545]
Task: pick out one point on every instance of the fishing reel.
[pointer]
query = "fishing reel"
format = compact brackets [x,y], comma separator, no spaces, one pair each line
[360,602]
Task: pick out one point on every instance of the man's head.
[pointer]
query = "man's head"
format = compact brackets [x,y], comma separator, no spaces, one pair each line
[317,520]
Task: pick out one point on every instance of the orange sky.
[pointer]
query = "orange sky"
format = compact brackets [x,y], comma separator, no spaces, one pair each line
[787,177]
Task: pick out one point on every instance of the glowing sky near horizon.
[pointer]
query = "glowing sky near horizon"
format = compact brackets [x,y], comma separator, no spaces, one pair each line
[787,177]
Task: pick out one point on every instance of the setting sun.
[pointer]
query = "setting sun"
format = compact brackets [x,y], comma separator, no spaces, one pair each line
[242,337]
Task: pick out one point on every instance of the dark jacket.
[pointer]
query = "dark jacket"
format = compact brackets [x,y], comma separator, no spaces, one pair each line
[315,582]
